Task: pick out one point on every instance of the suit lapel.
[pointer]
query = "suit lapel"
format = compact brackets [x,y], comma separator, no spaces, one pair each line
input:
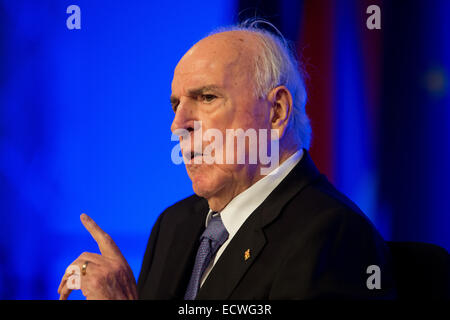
[303,174]
[232,265]
[183,248]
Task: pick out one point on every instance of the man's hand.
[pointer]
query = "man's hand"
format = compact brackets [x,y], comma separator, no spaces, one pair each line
[108,276]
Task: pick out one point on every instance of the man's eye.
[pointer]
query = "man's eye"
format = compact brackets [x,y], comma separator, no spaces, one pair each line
[207,97]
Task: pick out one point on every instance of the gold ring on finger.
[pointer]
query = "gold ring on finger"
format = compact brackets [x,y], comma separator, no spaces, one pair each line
[84,267]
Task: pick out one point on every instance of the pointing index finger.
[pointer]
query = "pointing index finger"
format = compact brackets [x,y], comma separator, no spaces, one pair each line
[104,241]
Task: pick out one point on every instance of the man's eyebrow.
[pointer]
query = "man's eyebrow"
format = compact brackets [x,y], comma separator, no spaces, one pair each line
[203,89]
[195,92]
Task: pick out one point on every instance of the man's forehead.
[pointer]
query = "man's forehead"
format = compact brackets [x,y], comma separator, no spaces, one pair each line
[201,73]
[225,42]
[214,58]
[219,50]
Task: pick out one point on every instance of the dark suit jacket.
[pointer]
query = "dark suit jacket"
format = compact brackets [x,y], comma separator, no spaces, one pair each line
[306,241]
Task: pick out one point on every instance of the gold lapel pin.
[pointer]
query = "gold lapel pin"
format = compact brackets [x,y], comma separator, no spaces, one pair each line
[247,254]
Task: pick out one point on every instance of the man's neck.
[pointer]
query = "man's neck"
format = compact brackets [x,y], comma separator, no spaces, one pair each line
[221,199]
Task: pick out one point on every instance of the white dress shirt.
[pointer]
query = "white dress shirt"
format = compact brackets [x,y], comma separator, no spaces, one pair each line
[241,207]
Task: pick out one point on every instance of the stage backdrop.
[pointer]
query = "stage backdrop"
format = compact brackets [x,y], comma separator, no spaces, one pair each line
[85,119]
[85,127]
[379,103]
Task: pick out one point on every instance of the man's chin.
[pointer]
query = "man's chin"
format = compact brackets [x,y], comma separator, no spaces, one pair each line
[204,186]
[201,191]
[201,182]
[207,183]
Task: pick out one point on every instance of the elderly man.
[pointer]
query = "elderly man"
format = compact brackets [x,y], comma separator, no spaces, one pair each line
[288,234]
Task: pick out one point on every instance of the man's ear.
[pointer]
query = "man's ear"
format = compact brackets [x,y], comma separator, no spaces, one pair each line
[281,108]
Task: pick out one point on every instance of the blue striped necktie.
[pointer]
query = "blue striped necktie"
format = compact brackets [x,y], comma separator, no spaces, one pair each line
[210,241]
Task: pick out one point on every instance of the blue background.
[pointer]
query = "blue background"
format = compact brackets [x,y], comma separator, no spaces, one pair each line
[85,123]
[85,127]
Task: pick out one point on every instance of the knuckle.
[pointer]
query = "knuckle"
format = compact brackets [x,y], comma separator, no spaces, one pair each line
[85,254]
[113,270]
[82,256]
[96,282]
[119,268]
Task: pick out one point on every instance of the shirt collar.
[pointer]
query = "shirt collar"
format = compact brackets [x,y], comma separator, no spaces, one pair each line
[240,207]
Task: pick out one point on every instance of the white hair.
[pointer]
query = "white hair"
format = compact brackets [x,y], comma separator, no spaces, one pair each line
[276,65]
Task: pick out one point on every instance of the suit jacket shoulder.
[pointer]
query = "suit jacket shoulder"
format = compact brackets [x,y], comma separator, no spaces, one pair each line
[329,244]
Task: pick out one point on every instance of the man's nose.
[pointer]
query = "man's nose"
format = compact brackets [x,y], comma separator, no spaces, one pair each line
[184,118]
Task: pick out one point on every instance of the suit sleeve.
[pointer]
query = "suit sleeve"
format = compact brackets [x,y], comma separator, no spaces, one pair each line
[330,261]
[148,256]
